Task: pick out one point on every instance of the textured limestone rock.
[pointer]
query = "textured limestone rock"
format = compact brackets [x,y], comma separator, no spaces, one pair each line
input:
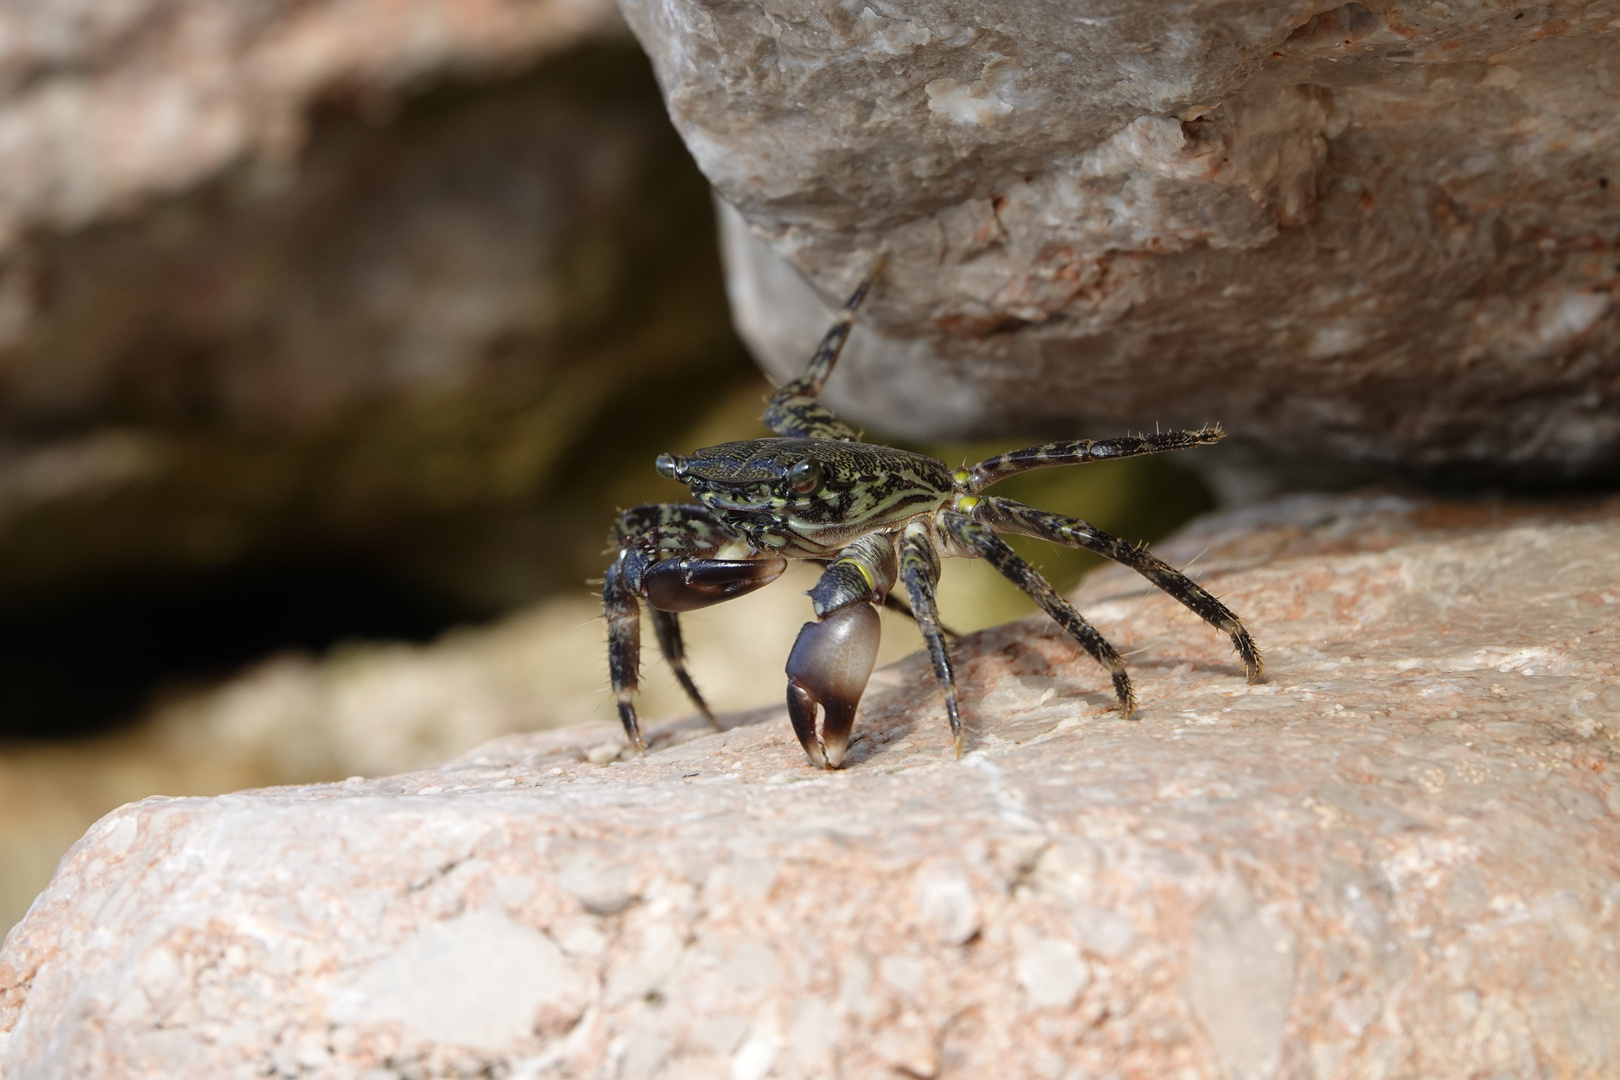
[1401,856]
[1384,231]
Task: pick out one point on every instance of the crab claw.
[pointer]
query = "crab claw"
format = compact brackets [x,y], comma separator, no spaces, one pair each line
[829,666]
[686,584]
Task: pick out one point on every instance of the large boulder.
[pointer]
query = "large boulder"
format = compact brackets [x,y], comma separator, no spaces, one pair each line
[1400,856]
[1385,233]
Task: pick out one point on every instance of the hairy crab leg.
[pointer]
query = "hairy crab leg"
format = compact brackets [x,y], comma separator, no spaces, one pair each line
[623,612]
[793,410]
[919,569]
[894,603]
[1079,452]
[980,539]
[665,559]
[667,625]
[1009,516]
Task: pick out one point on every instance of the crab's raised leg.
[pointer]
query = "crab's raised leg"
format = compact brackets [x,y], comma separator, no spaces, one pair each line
[919,569]
[793,410]
[832,659]
[979,539]
[1014,517]
[1079,452]
[667,558]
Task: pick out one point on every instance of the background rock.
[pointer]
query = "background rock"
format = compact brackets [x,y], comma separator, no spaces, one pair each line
[1381,233]
[1400,855]
[377,282]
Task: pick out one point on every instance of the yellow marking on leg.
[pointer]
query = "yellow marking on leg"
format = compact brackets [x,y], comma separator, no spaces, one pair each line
[871,585]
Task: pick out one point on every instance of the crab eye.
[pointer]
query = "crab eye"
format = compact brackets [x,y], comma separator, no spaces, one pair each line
[805,476]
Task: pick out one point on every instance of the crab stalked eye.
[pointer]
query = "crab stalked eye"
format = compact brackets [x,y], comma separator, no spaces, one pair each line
[805,476]
[668,466]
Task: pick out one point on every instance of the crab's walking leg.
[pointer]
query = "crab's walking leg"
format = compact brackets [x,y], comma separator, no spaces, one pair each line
[623,613]
[666,559]
[794,411]
[1014,517]
[667,625]
[919,569]
[894,603]
[832,659]
[1080,452]
[990,547]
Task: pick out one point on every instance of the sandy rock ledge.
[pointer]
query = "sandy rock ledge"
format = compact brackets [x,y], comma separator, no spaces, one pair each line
[1399,857]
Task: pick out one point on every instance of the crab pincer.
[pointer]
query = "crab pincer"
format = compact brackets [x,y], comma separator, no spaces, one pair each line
[828,668]
[687,584]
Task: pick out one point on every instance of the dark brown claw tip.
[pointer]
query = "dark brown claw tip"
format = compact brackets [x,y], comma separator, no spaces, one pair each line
[829,667]
[1125,695]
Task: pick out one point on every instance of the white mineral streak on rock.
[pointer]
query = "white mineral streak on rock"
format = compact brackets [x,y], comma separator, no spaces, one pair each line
[1396,857]
[1240,980]
[477,980]
[1051,972]
[1386,232]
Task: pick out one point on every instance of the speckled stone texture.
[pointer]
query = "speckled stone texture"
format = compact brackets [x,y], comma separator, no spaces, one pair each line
[1386,232]
[1398,857]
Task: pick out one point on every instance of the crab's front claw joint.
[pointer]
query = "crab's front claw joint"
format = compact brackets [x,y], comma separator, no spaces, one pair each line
[689,583]
[829,666]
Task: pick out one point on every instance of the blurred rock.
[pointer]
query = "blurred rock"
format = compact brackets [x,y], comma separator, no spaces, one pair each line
[1397,856]
[402,281]
[1383,233]
[107,107]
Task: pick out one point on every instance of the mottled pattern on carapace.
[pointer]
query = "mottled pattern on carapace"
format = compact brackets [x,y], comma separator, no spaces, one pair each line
[864,487]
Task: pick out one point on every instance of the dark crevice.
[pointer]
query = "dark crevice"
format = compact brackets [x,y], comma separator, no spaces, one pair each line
[86,662]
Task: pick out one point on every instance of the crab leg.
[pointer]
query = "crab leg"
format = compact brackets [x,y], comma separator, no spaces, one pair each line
[1015,517]
[994,550]
[919,569]
[1079,452]
[793,410]
[667,625]
[683,579]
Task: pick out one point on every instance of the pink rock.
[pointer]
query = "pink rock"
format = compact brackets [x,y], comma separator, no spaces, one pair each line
[1400,856]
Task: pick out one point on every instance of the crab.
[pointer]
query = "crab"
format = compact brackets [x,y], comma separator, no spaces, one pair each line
[874,517]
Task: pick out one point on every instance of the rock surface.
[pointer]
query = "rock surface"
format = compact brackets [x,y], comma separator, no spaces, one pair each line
[1400,856]
[1384,232]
